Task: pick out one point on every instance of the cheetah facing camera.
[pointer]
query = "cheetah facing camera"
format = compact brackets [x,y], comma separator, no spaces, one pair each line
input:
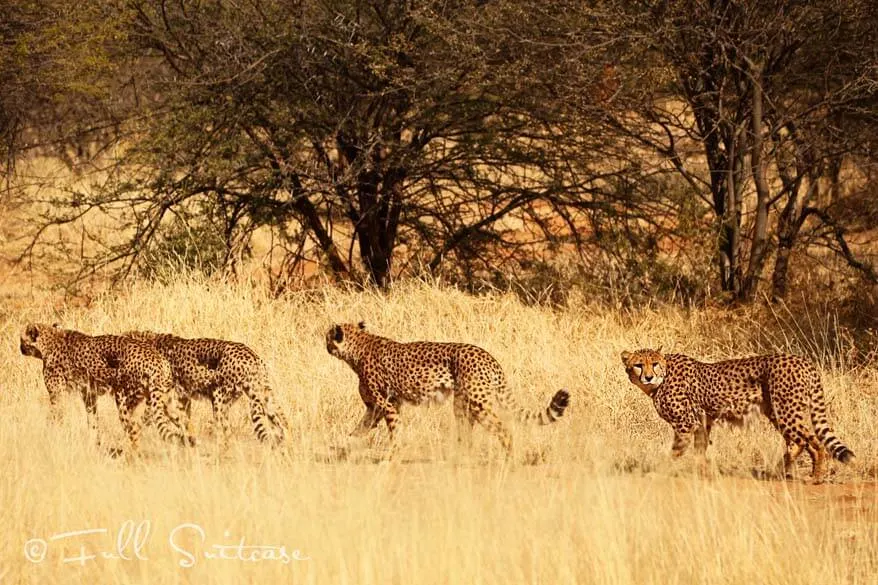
[691,395]
[131,371]
[221,371]
[391,372]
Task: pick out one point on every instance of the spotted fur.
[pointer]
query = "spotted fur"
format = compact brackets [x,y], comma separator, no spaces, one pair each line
[692,395]
[131,371]
[391,372]
[221,371]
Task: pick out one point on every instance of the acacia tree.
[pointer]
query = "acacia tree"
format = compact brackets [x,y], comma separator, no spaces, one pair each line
[345,123]
[761,83]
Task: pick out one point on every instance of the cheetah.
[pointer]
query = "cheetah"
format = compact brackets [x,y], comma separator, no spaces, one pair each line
[391,372]
[692,395]
[129,370]
[221,371]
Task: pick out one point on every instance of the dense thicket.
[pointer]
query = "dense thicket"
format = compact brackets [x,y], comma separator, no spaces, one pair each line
[690,144]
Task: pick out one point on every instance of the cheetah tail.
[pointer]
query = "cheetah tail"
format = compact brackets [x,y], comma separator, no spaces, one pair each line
[835,447]
[553,412]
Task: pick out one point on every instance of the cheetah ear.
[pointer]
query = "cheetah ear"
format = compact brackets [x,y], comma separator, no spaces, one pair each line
[659,350]
[337,334]
[362,325]
[32,332]
[56,325]
[625,356]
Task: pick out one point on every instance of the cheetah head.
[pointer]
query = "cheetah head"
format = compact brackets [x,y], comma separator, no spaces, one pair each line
[646,368]
[339,339]
[39,338]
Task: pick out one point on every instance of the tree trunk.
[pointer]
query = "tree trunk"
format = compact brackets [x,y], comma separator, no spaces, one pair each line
[722,184]
[759,247]
[730,245]
[720,141]
[378,222]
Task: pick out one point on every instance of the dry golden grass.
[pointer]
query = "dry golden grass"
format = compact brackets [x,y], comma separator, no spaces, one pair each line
[592,499]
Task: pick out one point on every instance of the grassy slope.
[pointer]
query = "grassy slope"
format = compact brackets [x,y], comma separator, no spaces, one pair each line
[592,499]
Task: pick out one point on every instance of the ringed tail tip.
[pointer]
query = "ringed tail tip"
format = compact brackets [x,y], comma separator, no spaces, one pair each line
[560,401]
[844,455]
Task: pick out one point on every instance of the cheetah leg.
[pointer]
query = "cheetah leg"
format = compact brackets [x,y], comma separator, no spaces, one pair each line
[373,415]
[126,403]
[682,440]
[220,402]
[702,440]
[164,411]
[90,399]
[262,423]
[277,417]
[386,408]
[263,409]
[370,420]
[818,459]
[794,449]
[179,413]
[184,401]
[492,422]
[464,422]
[55,414]
[147,419]
[55,387]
